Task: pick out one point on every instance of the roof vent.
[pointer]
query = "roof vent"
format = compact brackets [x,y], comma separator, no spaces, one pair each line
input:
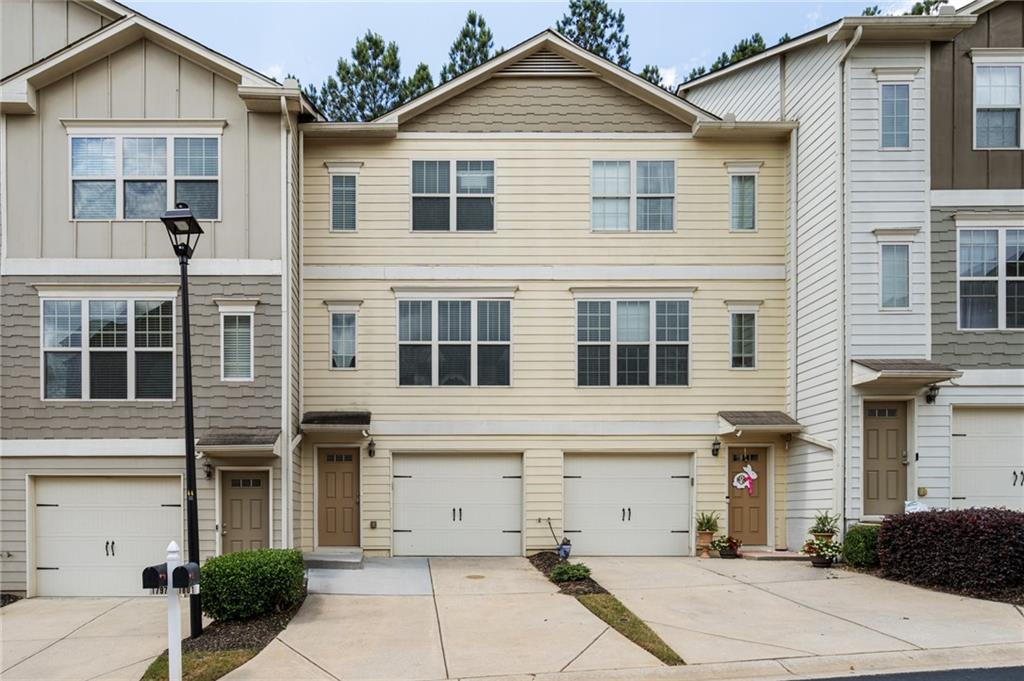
[544,63]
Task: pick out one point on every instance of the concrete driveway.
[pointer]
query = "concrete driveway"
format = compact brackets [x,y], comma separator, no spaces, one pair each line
[481,617]
[715,611]
[71,639]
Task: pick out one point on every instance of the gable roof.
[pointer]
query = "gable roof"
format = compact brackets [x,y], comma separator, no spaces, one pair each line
[549,53]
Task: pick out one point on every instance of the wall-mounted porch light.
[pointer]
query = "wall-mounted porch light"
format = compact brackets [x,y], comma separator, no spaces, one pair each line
[716,447]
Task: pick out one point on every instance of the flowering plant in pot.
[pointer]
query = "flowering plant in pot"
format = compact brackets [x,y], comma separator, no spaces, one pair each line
[707,525]
[727,547]
[822,552]
[825,526]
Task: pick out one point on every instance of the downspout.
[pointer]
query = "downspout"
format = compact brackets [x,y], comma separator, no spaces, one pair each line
[286,463]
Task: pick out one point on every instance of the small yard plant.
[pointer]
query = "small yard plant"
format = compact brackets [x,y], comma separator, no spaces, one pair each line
[860,547]
[246,584]
[823,549]
[825,523]
[569,572]
[707,522]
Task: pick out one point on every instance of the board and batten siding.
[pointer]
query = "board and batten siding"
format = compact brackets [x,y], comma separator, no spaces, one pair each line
[33,29]
[141,81]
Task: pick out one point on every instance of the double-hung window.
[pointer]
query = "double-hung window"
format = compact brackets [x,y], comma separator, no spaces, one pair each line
[743,195]
[744,340]
[620,205]
[632,342]
[138,177]
[895,115]
[453,196]
[895,276]
[991,278]
[454,342]
[108,349]
[997,104]
[344,176]
[236,339]
[344,339]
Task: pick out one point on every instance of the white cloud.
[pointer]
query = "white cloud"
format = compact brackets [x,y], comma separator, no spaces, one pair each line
[669,75]
[275,71]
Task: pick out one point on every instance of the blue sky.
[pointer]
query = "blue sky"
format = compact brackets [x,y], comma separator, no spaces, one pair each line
[307,37]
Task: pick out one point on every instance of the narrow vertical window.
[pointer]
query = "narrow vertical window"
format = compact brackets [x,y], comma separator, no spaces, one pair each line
[431,196]
[343,340]
[979,279]
[1015,278]
[655,196]
[633,336]
[997,105]
[343,203]
[454,338]
[196,169]
[593,337]
[154,349]
[494,335]
[895,276]
[672,335]
[895,115]
[237,347]
[610,187]
[108,350]
[62,355]
[474,189]
[744,340]
[415,350]
[743,202]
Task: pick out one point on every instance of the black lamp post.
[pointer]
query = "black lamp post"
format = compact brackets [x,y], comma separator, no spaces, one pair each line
[184,233]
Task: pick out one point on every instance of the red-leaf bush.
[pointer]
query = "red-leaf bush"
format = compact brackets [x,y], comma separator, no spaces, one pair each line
[978,550]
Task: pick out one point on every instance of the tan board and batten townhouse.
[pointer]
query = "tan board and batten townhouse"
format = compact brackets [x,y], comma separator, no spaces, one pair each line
[540,294]
[107,119]
[908,301]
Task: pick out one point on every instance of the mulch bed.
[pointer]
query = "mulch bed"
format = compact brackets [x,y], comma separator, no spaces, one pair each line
[546,562]
[255,633]
[7,599]
[1012,595]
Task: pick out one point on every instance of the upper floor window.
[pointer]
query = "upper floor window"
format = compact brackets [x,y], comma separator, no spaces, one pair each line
[744,339]
[236,339]
[991,278]
[343,203]
[108,349]
[454,342]
[453,196]
[895,260]
[632,342]
[997,106]
[343,340]
[129,177]
[895,119]
[743,194]
[619,205]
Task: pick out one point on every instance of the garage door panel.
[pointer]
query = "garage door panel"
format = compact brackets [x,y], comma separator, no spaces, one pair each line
[988,449]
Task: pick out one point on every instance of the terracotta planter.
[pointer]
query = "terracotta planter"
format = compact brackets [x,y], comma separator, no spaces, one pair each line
[704,542]
[819,562]
[823,536]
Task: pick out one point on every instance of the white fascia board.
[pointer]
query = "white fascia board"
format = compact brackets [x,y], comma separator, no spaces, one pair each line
[991,377]
[93,447]
[661,292]
[144,126]
[545,272]
[104,290]
[552,427]
[952,198]
[475,292]
[138,267]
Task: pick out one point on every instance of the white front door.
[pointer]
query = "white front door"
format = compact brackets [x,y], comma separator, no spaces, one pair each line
[628,504]
[94,535]
[458,505]
[988,457]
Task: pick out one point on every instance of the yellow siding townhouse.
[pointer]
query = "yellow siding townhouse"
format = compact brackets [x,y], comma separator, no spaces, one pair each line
[546,299]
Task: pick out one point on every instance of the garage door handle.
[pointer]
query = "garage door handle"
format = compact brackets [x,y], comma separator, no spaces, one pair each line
[1015,478]
[112,549]
[629,514]
[106,549]
[460,514]
[453,514]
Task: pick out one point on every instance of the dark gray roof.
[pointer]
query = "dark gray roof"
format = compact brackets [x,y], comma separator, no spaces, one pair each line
[238,438]
[911,365]
[758,418]
[336,418]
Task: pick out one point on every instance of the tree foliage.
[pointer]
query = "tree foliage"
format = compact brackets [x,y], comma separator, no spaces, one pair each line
[652,74]
[926,7]
[747,47]
[872,11]
[473,46]
[371,84]
[595,27]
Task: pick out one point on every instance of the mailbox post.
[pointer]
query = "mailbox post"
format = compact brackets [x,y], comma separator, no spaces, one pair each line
[173,579]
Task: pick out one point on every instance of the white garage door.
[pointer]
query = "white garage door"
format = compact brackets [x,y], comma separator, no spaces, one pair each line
[628,504]
[458,505]
[988,457]
[93,536]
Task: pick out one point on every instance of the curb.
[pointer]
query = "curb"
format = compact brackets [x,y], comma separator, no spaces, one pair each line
[792,668]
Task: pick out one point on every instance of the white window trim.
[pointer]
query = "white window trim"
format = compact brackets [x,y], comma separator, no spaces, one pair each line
[882,243]
[894,80]
[453,196]
[652,342]
[474,342]
[745,168]
[130,297]
[996,56]
[238,307]
[634,196]
[121,132]
[1000,228]
[736,307]
[338,307]
[342,168]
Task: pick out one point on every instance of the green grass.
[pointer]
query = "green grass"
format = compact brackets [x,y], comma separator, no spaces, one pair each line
[620,618]
[200,666]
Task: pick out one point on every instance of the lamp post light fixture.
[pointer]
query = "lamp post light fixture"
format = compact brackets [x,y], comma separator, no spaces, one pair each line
[184,231]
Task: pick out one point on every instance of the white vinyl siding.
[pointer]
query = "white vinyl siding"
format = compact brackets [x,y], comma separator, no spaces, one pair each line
[895,284]
[453,196]
[997,106]
[990,282]
[237,347]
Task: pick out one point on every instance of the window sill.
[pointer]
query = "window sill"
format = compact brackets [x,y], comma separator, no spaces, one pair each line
[435,232]
[743,231]
[135,220]
[895,310]
[111,400]
[237,380]
[632,232]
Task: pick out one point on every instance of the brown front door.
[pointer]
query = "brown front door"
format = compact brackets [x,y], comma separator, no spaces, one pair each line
[338,520]
[748,505]
[885,457]
[244,515]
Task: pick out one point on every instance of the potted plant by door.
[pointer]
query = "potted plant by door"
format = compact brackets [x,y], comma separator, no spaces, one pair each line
[822,552]
[707,525]
[825,526]
[727,547]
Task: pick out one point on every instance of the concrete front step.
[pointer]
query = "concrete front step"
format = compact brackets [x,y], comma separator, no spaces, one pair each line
[345,558]
[774,555]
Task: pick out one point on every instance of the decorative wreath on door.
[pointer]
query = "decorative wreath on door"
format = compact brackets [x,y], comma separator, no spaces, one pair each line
[745,479]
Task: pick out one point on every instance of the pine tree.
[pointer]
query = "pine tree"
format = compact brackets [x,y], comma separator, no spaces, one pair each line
[473,46]
[420,82]
[926,7]
[747,47]
[872,11]
[592,25]
[652,74]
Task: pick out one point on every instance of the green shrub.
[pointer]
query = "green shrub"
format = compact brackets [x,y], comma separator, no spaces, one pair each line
[860,547]
[247,584]
[569,572]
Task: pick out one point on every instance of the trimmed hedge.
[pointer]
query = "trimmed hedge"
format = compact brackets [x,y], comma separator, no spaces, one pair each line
[246,584]
[569,572]
[979,550]
[860,545]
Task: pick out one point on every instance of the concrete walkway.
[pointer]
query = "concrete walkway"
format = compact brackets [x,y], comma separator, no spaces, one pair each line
[74,639]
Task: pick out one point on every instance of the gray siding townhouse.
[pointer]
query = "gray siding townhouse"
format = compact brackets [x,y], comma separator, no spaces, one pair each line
[107,119]
[887,173]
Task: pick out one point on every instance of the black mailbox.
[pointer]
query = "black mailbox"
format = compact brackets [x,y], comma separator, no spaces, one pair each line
[155,577]
[185,576]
